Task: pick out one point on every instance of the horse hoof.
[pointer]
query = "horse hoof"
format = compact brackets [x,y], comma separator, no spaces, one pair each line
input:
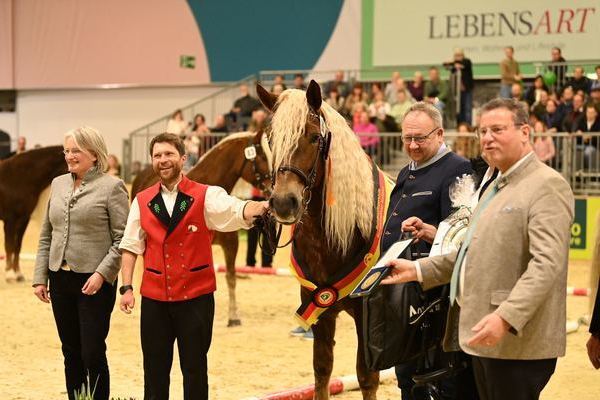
[10,276]
[233,322]
[20,278]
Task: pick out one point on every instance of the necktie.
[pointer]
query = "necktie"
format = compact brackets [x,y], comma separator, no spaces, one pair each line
[484,202]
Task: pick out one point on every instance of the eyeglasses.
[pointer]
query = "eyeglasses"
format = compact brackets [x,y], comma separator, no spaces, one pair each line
[73,152]
[418,139]
[494,130]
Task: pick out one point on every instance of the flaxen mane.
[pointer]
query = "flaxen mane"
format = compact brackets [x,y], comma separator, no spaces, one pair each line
[349,177]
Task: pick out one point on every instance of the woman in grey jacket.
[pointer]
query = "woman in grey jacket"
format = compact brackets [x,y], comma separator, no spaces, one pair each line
[78,254]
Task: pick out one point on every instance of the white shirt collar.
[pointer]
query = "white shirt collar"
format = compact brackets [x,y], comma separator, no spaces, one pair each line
[175,190]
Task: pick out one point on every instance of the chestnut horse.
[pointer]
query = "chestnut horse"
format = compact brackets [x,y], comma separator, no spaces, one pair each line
[324,186]
[223,165]
[23,177]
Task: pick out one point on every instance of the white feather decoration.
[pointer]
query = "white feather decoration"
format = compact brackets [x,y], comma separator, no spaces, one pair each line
[461,191]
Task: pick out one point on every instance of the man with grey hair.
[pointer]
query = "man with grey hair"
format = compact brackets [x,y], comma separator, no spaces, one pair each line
[508,279]
[421,192]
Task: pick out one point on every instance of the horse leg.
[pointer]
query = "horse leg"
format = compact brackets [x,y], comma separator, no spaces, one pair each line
[229,243]
[368,380]
[9,247]
[324,332]
[19,232]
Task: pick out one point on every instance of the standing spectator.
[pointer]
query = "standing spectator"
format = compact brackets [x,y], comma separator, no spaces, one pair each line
[508,281]
[509,72]
[339,83]
[422,191]
[368,134]
[299,82]
[436,90]
[177,125]
[392,88]
[170,224]
[401,106]
[559,68]
[579,81]
[464,65]
[78,254]
[533,94]
[416,87]
[543,145]
[21,146]
[197,142]
[114,166]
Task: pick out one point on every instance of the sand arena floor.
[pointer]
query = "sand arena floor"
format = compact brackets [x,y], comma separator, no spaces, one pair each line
[254,359]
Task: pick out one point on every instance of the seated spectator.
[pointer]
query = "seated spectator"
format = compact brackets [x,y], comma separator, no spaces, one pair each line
[375,90]
[336,101]
[553,118]
[357,110]
[220,124]
[358,96]
[391,89]
[368,135]
[259,119]
[532,95]
[466,145]
[539,107]
[277,89]
[595,94]
[400,107]
[571,119]
[590,122]
[177,125]
[543,145]
[21,146]
[278,80]
[579,81]
[338,82]
[436,90]
[516,92]
[565,104]
[416,87]
[299,82]
[379,112]
[114,167]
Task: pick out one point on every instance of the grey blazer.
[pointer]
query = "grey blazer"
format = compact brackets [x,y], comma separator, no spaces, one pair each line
[83,227]
[516,267]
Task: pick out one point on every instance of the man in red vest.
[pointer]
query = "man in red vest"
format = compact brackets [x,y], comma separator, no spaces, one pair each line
[171,225]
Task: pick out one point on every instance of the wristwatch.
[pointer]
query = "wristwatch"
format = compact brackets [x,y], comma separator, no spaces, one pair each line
[125,288]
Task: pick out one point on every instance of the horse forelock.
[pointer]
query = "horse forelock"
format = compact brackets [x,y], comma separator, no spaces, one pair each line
[349,177]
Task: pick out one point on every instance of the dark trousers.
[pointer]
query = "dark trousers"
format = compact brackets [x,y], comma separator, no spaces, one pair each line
[511,379]
[253,234]
[190,323]
[82,322]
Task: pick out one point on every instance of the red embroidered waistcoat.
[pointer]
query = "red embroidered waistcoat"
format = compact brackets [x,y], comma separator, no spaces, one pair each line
[178,261]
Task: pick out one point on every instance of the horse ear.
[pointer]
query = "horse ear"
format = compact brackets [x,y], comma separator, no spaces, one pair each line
[267,98]
[313,96]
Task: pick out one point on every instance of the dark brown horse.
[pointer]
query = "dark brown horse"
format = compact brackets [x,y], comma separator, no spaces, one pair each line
[222,166]
[324,185]
[23,177]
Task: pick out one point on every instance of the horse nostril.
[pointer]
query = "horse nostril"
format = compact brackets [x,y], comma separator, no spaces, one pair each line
[293,201]
[271,202]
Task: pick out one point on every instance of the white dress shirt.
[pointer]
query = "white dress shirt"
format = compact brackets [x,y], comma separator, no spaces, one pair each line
[222,212]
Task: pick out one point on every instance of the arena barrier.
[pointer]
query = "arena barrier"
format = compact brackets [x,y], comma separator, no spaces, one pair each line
[257,270]
[336,386]
[573,291]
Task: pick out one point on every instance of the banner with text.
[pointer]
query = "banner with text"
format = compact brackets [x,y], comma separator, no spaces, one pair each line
[406,33]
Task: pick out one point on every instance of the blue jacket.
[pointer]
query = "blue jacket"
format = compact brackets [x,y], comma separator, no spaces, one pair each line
[423,193]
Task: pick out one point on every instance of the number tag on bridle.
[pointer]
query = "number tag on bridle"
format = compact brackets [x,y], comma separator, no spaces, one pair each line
[250,152]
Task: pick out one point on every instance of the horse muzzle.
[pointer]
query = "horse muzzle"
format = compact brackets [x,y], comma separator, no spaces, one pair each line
[286,209]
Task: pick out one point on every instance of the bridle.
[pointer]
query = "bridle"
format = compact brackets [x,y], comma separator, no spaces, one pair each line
[251,154]
[267,224]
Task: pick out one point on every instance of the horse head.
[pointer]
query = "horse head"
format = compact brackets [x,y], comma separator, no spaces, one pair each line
[300,144]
